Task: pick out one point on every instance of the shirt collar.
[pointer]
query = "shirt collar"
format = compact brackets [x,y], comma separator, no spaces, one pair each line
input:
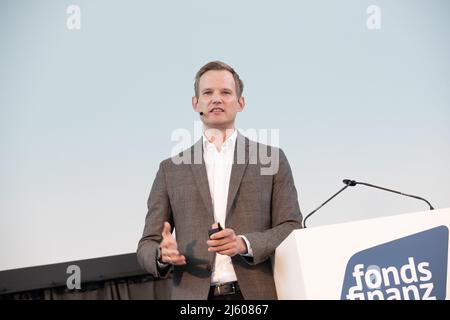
[228,143]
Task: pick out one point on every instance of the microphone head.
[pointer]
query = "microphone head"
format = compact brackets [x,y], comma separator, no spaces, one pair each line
[350,183]
[201,113]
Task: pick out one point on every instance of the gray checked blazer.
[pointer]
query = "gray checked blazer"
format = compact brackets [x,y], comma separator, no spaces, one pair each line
[262,205]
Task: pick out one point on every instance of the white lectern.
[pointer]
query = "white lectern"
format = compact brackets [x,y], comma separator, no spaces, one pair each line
[398,257]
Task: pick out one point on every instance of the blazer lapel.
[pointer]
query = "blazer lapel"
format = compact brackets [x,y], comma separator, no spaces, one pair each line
[201,179]
[241,157]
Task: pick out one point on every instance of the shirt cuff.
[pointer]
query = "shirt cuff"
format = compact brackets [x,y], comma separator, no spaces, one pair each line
[249,247]
[162,265]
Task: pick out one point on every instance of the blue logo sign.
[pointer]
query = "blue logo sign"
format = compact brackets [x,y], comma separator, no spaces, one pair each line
[409,268]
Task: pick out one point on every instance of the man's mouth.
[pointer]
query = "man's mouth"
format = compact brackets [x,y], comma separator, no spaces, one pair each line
[216,109]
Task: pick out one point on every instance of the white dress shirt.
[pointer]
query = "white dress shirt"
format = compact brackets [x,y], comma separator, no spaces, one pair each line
[218,169]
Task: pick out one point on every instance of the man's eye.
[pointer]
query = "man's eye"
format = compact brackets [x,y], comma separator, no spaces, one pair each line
[207,92]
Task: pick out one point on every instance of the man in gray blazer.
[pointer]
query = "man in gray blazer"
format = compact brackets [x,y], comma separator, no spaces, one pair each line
[224,178]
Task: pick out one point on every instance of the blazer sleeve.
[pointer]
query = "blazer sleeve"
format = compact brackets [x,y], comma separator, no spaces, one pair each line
[159,210]
[285,214]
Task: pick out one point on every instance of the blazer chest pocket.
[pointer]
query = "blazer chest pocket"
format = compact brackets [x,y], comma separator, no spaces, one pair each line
[185,194]
[249,195]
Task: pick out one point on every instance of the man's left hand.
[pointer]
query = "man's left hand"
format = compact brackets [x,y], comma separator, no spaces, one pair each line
[226,242]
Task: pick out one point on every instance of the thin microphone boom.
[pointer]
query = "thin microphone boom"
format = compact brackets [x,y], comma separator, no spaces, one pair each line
[352,183]
[311,213]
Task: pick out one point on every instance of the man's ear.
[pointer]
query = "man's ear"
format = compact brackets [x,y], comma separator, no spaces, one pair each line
[241,102]
[195,103]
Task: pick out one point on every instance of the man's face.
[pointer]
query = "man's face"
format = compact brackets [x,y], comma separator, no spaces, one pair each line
[217,99]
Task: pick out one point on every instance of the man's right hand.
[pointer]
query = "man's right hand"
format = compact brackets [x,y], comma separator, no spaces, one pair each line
[169,248]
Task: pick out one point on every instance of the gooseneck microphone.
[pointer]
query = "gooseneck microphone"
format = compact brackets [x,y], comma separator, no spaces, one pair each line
[312,212]
[352,183]
[201,113]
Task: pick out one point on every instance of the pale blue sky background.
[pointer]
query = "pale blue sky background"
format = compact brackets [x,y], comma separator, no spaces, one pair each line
[86,116]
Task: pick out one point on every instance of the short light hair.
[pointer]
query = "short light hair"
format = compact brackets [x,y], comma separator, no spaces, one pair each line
[219,65]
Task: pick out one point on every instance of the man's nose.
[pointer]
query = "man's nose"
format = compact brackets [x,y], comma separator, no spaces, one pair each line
[216,99]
